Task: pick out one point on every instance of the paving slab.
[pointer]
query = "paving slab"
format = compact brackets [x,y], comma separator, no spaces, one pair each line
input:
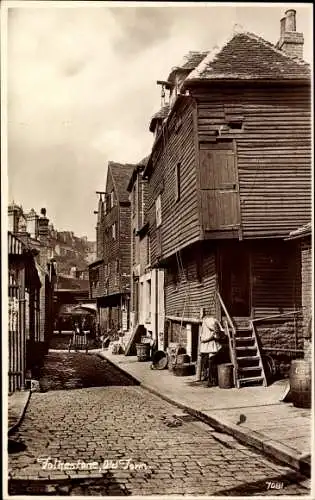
[254,415]
[17,404]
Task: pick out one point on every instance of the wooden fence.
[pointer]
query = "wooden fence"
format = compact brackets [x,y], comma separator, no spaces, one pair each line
[16,336]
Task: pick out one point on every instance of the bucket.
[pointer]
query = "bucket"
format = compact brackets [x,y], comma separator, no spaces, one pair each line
[301,383]
[225,376]
[143,352]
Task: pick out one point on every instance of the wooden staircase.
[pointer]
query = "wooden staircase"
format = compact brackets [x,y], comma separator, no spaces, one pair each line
[250,369]
[244,350]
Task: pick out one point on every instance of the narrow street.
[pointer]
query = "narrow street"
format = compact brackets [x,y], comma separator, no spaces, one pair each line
[132,441]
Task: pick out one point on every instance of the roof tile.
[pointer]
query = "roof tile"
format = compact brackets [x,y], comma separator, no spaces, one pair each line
[121,173]
[249,57]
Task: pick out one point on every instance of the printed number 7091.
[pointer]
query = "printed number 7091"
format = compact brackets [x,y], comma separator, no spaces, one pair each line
[274,485]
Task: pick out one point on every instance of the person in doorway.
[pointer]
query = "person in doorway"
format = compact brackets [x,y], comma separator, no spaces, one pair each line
[212,340]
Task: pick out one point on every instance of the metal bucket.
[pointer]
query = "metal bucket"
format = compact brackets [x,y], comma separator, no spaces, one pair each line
[143,352]
[225,376]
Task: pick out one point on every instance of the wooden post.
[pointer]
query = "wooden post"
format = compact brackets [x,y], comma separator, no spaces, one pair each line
[198,367]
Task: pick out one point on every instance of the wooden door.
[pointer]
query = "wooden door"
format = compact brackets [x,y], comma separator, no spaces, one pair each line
[235,280]
[219,187]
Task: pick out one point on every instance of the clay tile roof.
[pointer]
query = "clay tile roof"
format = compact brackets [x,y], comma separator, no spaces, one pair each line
[249,57]
[121,173]
[189,62]
[160,115]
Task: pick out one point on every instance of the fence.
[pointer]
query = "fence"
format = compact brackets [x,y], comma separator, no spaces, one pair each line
[16,336]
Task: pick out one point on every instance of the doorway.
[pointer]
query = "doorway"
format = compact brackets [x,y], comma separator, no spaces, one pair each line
[235,279]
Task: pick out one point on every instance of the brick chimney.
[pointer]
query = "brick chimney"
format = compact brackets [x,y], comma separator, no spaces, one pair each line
[290,41]
[14,214]
[43,231]
[32,223]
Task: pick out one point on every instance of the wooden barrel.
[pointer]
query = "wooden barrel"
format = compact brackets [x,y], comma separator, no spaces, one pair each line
[225,376]
[143,352]
[301,383]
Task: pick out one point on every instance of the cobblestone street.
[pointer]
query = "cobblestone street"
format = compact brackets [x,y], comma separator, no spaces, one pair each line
[133,442]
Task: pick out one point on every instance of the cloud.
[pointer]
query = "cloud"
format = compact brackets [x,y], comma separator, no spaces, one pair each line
[82,89]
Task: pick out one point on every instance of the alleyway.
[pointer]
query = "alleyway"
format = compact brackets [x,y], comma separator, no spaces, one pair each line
[161,450]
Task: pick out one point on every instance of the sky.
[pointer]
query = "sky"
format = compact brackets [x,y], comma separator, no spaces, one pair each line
[81,89]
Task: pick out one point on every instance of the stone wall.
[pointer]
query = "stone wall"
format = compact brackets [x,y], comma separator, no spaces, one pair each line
[285,335]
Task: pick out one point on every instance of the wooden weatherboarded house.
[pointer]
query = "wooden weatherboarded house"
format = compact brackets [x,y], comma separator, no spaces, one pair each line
[229,177]
[147,284]
[110,275]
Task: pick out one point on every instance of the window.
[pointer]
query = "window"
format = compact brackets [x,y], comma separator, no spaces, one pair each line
[134,199]
[158,211]
[177,182]
[112,199]
[114,231]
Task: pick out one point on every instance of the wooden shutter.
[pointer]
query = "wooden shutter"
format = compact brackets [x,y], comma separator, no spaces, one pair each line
[219,189]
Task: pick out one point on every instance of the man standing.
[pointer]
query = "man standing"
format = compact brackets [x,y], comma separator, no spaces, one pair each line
[211,342]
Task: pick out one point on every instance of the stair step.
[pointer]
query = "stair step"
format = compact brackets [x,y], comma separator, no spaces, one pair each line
[242,333]
[252,379]
[248,358]
[246,348]
[243,339]
[249,368]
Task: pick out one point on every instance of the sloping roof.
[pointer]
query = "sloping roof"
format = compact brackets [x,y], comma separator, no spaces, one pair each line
[245,56]
[300,232]
[121,174]
[138,168]
[160,115]
[189,62]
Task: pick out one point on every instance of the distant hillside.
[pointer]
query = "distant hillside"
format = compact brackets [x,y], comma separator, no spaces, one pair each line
[71,251]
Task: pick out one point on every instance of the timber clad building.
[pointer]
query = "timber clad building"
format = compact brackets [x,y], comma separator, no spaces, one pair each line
[147,284]
[110,273]
[227,180]
[229,177]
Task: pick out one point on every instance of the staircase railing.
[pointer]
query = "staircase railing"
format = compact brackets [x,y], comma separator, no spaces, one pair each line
[252,325]
[231,333]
